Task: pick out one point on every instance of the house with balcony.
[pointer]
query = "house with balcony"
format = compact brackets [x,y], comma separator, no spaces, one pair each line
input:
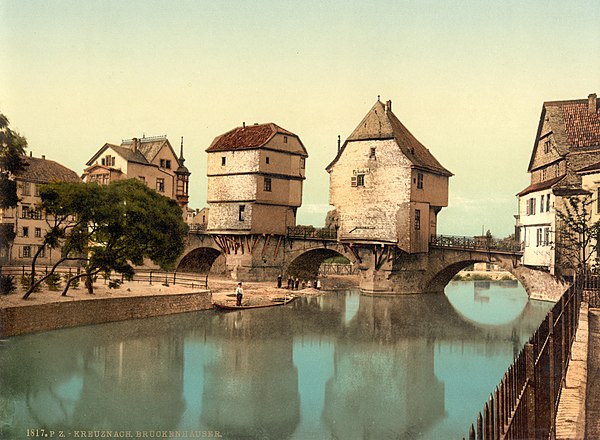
[255,177]
[386,186]
[149,159]
[564,163]
[28,223]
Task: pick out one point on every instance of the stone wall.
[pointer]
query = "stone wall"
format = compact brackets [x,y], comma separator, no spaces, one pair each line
[50,316]
[377,210]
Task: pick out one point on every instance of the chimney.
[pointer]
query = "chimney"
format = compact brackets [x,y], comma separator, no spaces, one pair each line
[244,124]
[43,157]
[339,144]
[31,154]
[592,108]
[134,145]
[388,105]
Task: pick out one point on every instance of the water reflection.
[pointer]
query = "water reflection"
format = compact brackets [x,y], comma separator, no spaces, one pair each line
[338,366]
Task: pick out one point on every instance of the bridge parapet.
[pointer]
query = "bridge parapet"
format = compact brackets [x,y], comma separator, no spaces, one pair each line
[309,232]
[481,243]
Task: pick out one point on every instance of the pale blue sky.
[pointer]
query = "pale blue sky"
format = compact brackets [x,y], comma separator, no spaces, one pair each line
[467,78]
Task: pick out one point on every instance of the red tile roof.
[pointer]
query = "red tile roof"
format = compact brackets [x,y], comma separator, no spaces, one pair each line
[546,184]
[581,126]
[248,137]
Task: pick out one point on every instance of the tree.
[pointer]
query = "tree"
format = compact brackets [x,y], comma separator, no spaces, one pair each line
[112,227]
[577,235]
[12,150]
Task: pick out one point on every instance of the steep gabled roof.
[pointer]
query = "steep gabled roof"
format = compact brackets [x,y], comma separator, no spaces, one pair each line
[381,123]
[46,171]
[575,124]
[250,137]
[149,147]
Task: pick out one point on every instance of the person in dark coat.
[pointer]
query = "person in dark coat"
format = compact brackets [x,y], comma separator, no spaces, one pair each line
[279,277]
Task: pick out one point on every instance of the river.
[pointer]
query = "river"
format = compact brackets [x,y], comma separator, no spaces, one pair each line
[338,366]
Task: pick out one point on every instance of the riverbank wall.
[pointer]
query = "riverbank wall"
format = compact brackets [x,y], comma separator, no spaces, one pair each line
[32,318]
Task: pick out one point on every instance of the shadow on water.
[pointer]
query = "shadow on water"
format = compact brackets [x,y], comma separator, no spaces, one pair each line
[341,365]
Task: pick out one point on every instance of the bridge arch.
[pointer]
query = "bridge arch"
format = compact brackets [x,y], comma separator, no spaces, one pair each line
[203,260]
[306,265]
[451,263]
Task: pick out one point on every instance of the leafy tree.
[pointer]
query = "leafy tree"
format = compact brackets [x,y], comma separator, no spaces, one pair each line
[577,236]
[112,227]
[12,152]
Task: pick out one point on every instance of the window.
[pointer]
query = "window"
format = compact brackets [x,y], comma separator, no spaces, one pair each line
[285,139]
[538,241]
[547,147]
[26,251]
[531,206]
[242,213]
[162,163]
[223,161]
[267,160]
[544,174]
[556,170]
[302,163]
[168,164]
[26,189]
[103,161]
[419,180]
[358,180]
[160,184]
[38,232]
[267,185]
[372,153]
[417,219]
[142,179]
[25,231]
[25,212]
[547,202]
[43,252]
[542,203]
[36,190]
[546,236]
[36,215]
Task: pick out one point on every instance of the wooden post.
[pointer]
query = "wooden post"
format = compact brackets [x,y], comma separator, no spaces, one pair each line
[550,344]
[150,277]
[479,427]
[530,392]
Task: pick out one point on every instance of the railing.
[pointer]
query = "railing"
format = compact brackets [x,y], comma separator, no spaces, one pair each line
[197,227]
[308,232]
[186,279]
[475,243]
[524,404]
[337,269]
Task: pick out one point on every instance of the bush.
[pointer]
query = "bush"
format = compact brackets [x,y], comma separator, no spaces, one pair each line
[53,281]
[74,283]
[114,284]
[26,283]
[7,284]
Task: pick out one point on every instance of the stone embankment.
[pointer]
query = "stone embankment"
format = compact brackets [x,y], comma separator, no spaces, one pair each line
[46,310]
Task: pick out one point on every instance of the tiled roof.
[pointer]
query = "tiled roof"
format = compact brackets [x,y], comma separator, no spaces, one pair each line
[46,171]
[148,147]
[382,123]
[546,184]
[248,137]
[573,123]
[129,155]
[590,169]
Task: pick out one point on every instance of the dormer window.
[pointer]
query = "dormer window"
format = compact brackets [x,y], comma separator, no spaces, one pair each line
[285,139]
[168,164]
[547,146]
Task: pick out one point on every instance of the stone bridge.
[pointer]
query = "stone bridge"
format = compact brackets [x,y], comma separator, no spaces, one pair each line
[384,268]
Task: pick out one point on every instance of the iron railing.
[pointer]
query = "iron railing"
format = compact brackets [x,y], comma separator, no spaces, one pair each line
[482,243]
[337,269]
[185,279]
[314,233]
[525,402]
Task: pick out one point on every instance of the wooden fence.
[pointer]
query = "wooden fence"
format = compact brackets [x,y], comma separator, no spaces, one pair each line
[524,404]
[186,279]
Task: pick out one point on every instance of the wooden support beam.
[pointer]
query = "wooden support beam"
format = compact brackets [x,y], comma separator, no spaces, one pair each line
[266,244]
[277,247]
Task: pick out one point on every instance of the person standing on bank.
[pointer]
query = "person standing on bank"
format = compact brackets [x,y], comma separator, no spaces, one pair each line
[279,277]
[239,294]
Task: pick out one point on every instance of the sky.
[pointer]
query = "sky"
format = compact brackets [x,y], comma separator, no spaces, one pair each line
[467,78]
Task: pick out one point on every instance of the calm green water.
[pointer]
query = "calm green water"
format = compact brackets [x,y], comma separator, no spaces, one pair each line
[339,366]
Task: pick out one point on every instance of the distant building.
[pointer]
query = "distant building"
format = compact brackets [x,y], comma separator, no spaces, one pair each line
[197,219]
[566,152]
[385,185]
[26,220]
[149,159]
[255,176]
